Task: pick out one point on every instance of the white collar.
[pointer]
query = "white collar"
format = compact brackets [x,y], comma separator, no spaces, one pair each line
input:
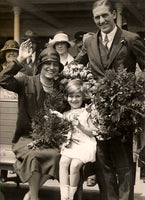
[68,60]
[109,35]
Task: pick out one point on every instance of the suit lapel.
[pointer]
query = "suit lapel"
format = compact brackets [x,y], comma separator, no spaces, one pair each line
[96,52]
[116,46]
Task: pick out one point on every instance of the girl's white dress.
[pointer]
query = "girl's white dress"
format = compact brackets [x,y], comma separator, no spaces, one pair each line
[82,147]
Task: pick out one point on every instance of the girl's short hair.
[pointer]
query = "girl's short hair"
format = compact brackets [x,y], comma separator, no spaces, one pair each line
[73,86]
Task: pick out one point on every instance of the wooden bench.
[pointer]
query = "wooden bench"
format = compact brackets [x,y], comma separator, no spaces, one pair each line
[8,117]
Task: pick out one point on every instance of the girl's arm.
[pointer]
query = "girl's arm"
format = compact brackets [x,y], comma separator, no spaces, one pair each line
[86,129]
[86,125]
[58,114]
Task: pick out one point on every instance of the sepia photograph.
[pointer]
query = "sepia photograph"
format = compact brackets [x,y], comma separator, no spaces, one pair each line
[72,100]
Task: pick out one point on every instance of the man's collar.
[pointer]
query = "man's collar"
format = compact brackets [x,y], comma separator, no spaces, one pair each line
[109,35]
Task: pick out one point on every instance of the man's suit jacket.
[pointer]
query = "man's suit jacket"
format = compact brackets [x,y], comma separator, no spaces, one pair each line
[126,50]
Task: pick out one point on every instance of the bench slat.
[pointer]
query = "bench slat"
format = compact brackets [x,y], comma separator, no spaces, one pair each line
[7,129]
[6,140]
[12,110]
[7,155]
[8,104]
[7,122]
[8,116]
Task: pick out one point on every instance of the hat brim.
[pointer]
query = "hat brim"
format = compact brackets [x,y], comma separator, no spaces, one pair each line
[15,49]
[53,42]
[61,67]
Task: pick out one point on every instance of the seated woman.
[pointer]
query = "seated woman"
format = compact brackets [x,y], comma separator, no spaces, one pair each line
[33,166]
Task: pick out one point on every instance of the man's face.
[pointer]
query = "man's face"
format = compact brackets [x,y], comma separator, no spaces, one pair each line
[50,69]
[104,18]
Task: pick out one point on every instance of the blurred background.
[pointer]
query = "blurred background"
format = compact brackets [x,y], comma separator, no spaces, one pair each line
[46,17]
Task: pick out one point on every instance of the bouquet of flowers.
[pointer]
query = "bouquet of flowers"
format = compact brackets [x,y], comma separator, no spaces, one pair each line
[48,130]
[118,104]
[79,71]
[73,71]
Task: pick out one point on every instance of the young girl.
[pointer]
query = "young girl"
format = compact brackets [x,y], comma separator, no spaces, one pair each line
[82,148]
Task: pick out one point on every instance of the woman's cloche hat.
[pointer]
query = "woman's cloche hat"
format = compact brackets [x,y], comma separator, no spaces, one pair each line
[49,54]
[9,45]
[60,37]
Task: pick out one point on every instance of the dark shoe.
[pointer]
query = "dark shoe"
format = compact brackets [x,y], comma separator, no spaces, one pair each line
[91,181]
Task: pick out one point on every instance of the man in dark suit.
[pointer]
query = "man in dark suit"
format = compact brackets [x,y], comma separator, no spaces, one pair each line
[124,48]
[113,48]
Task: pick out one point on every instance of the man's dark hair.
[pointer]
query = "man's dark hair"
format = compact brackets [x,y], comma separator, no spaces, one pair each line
[106,3]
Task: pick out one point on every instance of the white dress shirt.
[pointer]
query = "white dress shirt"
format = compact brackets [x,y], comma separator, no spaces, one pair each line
[110,36]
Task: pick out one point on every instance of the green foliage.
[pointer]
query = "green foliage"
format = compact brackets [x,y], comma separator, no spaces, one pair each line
[47,129]
[118,105]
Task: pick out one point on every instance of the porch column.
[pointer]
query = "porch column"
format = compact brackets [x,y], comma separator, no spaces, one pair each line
[16,23]
[119,8]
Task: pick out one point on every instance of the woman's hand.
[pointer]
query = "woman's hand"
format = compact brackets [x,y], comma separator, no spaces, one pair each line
[25,50]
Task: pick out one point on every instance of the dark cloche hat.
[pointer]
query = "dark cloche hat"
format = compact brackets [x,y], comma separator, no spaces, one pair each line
[49,54]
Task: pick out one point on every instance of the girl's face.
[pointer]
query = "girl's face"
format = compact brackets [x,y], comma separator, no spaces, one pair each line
[75,100]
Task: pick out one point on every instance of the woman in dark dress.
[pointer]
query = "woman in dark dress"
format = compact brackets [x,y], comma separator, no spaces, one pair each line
[34,166]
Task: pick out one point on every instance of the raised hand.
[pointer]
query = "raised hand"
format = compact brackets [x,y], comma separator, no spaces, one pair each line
[25,50]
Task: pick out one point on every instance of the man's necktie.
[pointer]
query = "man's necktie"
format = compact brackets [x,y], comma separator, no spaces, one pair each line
[106,40]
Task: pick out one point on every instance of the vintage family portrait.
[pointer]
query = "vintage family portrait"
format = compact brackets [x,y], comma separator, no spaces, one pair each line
[72,100]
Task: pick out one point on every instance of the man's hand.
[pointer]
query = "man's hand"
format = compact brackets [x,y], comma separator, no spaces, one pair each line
[25,51]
